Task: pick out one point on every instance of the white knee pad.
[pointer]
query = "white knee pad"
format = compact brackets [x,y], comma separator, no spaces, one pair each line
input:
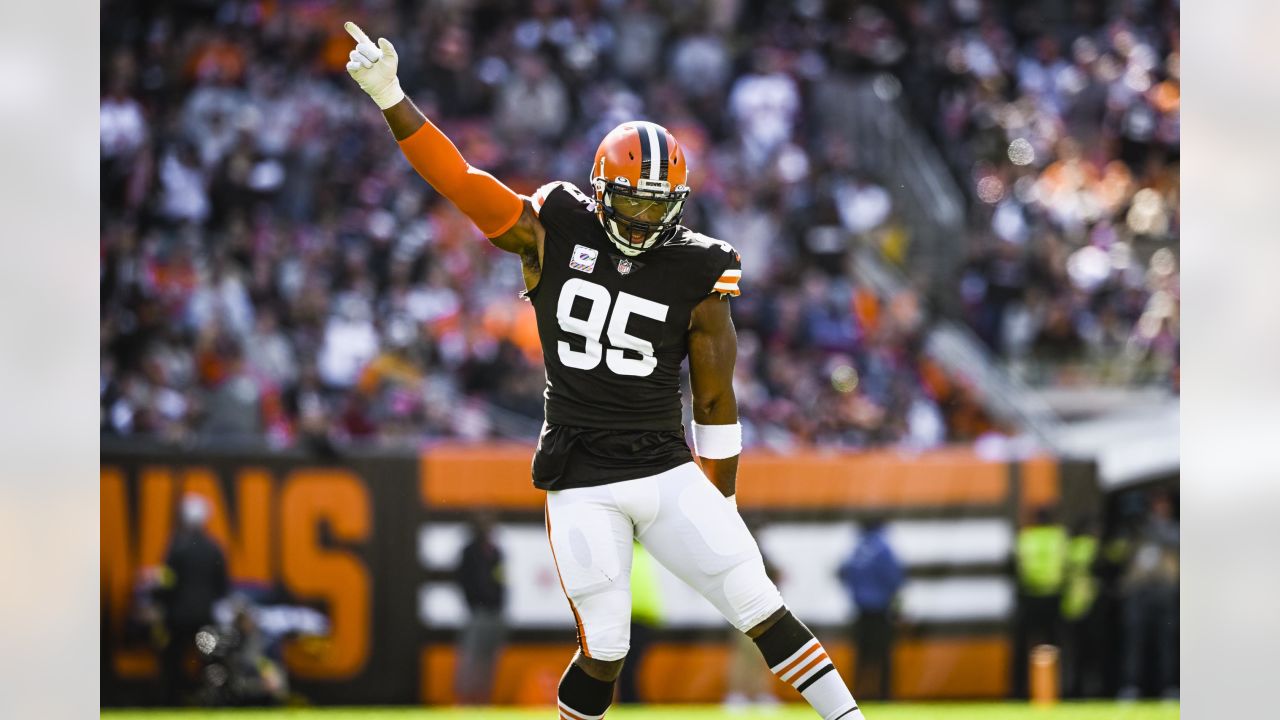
[750,594]
[611,648]
[606,624]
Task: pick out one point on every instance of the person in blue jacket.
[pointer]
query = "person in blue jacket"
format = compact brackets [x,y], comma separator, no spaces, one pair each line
[873,576]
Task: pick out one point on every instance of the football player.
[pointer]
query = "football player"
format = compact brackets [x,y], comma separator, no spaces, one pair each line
[622,293]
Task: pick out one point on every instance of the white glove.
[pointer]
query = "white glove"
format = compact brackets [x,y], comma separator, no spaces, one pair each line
[374,67]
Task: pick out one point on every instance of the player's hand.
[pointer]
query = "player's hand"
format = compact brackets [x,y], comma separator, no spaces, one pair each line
[374,67]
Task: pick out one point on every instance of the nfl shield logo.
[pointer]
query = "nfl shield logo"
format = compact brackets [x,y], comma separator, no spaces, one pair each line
[624,266]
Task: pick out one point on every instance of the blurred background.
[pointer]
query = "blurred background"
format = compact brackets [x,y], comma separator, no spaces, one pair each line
[958,368]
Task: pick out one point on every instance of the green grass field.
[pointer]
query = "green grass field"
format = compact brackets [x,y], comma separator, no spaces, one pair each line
[890,711]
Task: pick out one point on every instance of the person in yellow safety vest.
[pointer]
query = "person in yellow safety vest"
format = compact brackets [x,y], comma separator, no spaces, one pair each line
[1041,561]
[1080,587]
[1082,644]
[646,617]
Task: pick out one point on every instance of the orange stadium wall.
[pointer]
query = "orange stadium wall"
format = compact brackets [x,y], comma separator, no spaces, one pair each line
[354,537]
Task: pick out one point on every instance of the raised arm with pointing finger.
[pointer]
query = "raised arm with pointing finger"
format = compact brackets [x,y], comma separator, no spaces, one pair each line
[502,215]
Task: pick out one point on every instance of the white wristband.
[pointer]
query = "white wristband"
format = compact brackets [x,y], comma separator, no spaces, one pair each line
[717,442]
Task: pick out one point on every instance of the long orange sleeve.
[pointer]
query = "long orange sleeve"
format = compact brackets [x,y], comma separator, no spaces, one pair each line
[492,206]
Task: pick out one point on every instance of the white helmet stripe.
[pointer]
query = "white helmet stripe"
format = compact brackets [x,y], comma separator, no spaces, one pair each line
[652,130]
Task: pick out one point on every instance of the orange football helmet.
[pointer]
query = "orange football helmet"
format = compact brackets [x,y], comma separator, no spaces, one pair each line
[639,175]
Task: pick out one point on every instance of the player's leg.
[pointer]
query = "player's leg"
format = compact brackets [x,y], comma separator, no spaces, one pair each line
[700,537]
[796,657]
[590,541]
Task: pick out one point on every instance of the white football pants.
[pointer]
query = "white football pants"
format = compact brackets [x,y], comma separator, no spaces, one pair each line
[685,524]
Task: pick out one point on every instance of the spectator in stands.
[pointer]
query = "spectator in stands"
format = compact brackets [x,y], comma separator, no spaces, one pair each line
[233,405]
[350,340]
[268,351]
[764,105]
[124,133]
[863,205]
[392,382]
[481,574]
[1040,559]
[196,574]
[184,193]
[873,576]
[533,102]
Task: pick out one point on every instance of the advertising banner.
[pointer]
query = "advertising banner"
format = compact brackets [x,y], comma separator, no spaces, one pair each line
[370,542]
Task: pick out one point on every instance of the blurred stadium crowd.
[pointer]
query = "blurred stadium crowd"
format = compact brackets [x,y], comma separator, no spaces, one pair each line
[271,266]
[1069,141]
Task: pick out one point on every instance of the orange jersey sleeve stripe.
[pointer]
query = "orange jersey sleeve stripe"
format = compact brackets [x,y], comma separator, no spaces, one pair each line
[492,206]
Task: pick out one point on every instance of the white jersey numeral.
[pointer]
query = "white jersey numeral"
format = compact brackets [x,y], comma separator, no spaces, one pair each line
[617,360]
[591,328]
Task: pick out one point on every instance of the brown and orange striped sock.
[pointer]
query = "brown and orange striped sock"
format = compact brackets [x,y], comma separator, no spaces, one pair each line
[799,660]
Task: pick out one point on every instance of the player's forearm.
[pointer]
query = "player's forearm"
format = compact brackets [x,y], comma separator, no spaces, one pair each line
[718,438]
[722,473]
[404,118]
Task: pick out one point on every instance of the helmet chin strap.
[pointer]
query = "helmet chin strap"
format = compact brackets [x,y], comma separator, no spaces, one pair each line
[627,248]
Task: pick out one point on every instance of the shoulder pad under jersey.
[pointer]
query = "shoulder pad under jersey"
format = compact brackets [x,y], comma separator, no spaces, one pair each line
[723,264]
[545,193]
